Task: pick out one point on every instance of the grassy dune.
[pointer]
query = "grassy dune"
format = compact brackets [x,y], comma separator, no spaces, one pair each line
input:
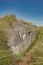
[7,57]
[37,55]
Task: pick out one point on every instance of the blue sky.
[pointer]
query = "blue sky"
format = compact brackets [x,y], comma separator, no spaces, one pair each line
[30,10]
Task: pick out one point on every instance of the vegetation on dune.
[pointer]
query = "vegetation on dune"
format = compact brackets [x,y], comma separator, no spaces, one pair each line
[6,56]
[37,55]
[6,21]
[40,29]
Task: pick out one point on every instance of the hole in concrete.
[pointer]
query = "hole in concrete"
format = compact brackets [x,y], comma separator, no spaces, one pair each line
[29,32]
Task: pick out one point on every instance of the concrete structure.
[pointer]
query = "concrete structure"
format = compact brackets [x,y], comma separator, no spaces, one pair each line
[21,36]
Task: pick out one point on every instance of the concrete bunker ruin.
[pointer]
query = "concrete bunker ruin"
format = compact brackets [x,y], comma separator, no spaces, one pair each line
[20,38]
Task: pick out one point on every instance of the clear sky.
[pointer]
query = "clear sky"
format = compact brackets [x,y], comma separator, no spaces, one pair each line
[31,10]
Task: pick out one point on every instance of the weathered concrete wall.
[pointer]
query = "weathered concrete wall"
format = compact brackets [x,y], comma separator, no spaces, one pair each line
[20,37]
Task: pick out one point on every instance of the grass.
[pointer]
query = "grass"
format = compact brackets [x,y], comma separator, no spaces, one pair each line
[7,57]
[37,55]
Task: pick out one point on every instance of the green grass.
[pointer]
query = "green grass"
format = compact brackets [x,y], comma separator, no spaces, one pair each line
[7,57]
[37,55]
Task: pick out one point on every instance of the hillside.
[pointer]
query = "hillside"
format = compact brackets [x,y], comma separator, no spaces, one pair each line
[34,53]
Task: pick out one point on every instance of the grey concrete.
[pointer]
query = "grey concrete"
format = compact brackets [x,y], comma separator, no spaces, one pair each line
[20,37]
